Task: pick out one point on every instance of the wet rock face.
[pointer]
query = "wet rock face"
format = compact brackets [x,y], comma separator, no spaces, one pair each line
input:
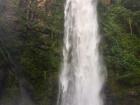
[106,2]
[2,7]
[9,68]
[8,18]
[7,9]
[109,99]
[112,98]
[3,76]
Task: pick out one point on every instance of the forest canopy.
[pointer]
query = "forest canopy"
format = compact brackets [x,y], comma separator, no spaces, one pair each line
[31,41]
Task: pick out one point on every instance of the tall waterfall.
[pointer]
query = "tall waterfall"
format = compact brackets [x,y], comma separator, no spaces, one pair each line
[82,76]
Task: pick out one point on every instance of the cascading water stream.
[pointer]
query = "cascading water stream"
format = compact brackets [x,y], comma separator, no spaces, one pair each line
[82,76]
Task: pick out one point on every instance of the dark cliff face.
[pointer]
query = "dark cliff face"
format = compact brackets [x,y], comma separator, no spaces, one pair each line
[7,21]
[106,2]
[9,64]
[111,98]
[2,6]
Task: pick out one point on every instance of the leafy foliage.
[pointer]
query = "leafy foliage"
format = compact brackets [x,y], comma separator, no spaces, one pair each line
[36,50]
[121,44]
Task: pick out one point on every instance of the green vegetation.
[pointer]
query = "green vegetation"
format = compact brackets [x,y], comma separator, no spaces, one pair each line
[34,54]
[121,48]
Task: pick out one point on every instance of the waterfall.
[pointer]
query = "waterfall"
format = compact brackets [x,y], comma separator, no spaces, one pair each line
[82,76]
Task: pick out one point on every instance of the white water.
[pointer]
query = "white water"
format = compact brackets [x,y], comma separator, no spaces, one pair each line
[81,79]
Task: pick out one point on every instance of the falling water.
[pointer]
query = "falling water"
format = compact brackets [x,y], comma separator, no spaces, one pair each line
[82,76]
